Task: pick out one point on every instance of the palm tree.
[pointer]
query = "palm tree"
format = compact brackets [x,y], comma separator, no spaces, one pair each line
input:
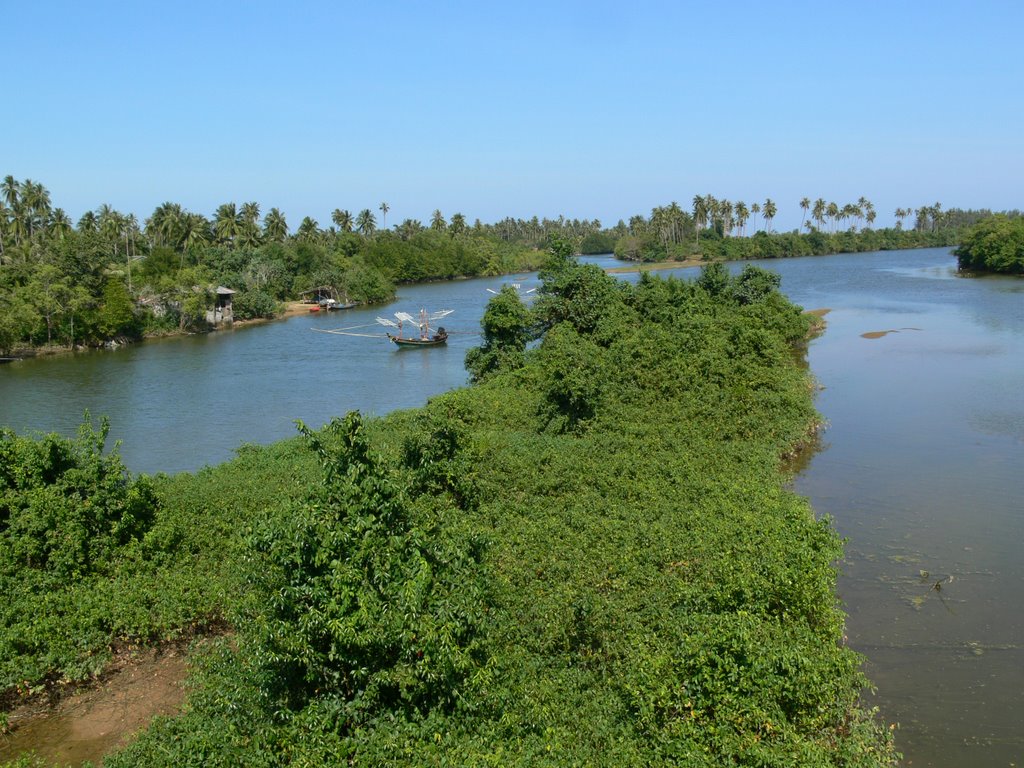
[900,214]
[755,209]
[818,214]
[863,205]
[88,222]
[59,225]
[12,197]
[250,213]
[700,214]
[769,213]
[847,212]
[35,201]
[832,212]
[437,222]
[384,208]
[342,219]
[162,227]
[366,224]
[275,228]
[408,228]
[308,231]
[725,208]
[805,204]
[195,232]
[742,214]
[227,223]
[5,216]
[130,230]
[249,225]
[109,222]
[249,236]
[458,225]
[11,191]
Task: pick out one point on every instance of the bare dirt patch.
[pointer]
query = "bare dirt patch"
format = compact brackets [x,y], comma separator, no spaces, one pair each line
[90,724]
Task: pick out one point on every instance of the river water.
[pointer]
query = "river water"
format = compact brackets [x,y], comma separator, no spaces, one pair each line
[921,467]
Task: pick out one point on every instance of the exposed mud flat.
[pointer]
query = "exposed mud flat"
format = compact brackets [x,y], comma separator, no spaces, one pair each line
[880,334]
[88,725]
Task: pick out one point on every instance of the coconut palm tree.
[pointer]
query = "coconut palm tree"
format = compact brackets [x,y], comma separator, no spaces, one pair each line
[35,200]
[5,217]
[863,204]
[725,210]
[769,213]
[818,213]
[366,224]
[130,228]
[308,231]
[384,208]
[195,233]
[250,214]
[437,222]
[275,228]
[755,209]
[458,225]
[162,226]
[249,225]
[700,214]
[227,223]
[742,214]
[11,189]
[805,204]
[342,219]
[109,222]
[88,223]
[832,212]
[59,225]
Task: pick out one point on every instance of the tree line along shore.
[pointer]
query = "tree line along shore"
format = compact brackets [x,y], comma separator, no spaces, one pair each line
[109,278]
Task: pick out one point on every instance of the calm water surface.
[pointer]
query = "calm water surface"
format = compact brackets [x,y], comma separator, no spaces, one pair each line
[181,403]
[921,468]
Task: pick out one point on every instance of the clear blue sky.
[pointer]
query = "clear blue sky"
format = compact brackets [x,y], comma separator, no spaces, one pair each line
[587,109]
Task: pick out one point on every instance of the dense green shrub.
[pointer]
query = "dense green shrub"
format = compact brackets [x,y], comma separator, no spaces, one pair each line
[249,305]
[65,507]
[993,245]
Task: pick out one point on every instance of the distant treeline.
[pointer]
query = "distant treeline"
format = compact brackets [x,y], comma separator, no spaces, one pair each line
[108,278]
[716,229]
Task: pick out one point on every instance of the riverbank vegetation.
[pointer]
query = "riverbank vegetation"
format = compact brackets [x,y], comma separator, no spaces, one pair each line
[587,557]
[110,278]
[993,245]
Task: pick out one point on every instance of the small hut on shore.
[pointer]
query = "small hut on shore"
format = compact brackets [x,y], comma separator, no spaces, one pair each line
[222,311]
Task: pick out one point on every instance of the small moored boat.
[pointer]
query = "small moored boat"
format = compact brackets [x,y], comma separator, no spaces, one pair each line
[423,336]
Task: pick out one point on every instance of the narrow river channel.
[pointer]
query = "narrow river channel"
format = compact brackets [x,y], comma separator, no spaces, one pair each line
[921,467]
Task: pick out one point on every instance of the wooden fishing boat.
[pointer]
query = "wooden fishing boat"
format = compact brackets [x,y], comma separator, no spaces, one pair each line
[404,323]
[423,336]
[438,338]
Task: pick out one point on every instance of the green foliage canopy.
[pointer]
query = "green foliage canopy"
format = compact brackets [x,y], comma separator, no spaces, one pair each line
[994,245]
